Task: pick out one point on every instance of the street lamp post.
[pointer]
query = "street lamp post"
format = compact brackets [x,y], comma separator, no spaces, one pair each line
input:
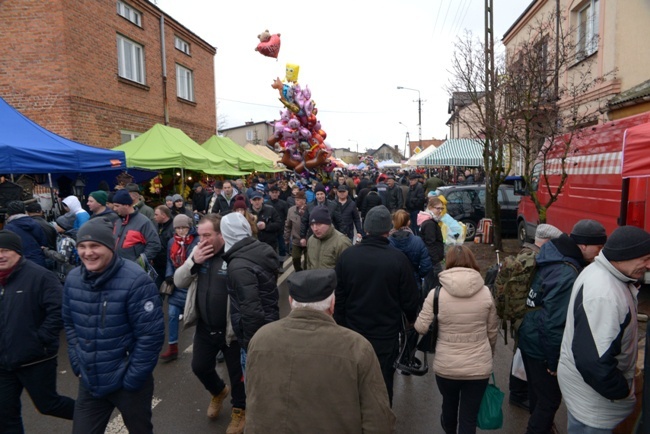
[407,140]
[419,113]
[357,143]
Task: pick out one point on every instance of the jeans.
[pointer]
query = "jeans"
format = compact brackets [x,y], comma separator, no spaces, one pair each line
[174,312]
[91,414]
[544,395]
[282,248]
[40,382]
[242,360]
[204,362]
[387,351]
[576,427]
[297,255]
[414,221]
[461,400]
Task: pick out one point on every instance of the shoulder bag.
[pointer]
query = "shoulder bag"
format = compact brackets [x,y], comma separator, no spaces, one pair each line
[427,343]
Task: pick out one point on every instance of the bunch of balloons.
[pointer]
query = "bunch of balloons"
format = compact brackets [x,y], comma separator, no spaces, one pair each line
[298,134]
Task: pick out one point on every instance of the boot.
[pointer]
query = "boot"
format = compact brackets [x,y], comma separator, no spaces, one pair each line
[237,421]
[170,354]
[216,402]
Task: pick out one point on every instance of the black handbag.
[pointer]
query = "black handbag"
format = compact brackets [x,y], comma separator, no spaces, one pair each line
[427,343]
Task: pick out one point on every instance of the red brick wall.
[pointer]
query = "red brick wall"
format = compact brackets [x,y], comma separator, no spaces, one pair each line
[60,68]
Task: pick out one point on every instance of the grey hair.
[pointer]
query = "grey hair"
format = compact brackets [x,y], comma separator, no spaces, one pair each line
[322,305]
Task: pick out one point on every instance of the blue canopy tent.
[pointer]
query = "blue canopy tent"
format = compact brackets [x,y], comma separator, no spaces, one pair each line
[26,147]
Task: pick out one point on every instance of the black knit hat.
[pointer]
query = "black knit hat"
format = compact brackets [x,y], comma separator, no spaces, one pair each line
[11,241]
[98,230]
[589,232]
[378,221]
[310,286]
[15,207]
[320,187]
[627,242]
[320,214]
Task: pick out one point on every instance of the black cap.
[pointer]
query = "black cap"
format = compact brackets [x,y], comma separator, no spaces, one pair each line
[15,207]
[342,187]
[310,286]
[627,242]
[414,176]
[589,232]
[274,188]
[33,207]
[320,214]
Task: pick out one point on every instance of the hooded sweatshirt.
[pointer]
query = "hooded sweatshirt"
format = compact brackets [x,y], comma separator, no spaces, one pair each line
[467,325]
[80,215]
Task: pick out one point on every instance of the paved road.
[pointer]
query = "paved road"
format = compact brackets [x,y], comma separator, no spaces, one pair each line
[180,401]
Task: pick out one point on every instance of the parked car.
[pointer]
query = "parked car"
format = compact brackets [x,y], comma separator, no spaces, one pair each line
[466,203]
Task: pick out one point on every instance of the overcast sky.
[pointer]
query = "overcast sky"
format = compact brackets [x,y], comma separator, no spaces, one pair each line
[352,54]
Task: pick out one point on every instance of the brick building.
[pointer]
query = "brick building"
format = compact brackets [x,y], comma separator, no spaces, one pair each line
[92,70]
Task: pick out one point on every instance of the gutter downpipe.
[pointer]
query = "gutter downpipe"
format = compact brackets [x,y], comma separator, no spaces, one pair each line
[163,56]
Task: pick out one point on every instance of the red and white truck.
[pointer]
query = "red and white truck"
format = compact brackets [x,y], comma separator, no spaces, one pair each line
[608,180]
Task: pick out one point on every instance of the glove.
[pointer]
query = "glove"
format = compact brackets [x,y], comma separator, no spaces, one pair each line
[169,280]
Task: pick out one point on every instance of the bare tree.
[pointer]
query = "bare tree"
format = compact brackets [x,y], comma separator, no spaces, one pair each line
[468,71]
[546,80]
[222,119]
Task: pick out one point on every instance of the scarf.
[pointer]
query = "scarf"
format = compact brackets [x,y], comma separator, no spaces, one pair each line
[178,251]
[4,275]
[301,210]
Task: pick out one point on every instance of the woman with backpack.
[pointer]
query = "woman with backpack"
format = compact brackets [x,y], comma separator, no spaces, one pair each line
[402,238]
[467,325]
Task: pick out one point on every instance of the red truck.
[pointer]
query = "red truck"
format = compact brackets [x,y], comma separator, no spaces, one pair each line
[608,170]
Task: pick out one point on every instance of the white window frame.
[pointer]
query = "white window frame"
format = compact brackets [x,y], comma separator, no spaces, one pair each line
[130,60]
[250,135]
[587,21]
[132,135]
[129,13]
[184,83]
[182,45]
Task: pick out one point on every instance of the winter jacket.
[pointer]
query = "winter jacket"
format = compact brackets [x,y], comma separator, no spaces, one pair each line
[50,233]
[467,325]
[350,219]
[540,334]
[282,207]
[200,201]
[165,233]
[291,364]
[136,234]
[375,285]
[324,252]
[395,199]
[223,205]
[32,236]
[414,249]
[212,283]
[180,293]
[431,234]
[415,198]
[371,200]
[252,267]
[107,214]
[114,326]
[599,346]
[274,226]
[432,183]
[292,226]
[30,316]
[144,209]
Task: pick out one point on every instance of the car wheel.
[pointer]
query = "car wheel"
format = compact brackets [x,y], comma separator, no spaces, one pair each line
[522,234]
[470,230]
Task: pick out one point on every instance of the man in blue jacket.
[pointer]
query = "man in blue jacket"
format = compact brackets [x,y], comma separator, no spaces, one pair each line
[30,314]
[114,325]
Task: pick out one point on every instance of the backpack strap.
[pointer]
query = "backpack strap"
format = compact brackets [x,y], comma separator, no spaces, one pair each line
[435,302]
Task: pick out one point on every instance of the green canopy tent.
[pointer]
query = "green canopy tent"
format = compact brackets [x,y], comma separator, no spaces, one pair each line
[230,151]
[164,147]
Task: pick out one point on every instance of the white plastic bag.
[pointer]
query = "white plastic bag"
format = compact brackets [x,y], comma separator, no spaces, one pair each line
[518,366]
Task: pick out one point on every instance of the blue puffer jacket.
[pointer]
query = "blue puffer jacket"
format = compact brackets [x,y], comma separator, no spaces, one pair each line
[114,326]
[415,249]
[540,335]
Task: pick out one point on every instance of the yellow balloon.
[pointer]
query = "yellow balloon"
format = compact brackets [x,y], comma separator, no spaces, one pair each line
[292,72]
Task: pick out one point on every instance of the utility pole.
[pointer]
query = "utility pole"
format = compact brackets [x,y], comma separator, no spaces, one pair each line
[489,88]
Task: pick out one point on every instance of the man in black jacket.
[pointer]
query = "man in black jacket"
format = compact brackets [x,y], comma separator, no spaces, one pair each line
[269,225]
[30,314]
[375,286]
[199,199]
[414,200]
[394,193]
[348,213]
[282,207]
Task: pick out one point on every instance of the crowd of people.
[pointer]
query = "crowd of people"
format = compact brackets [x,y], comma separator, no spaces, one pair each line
[368,252]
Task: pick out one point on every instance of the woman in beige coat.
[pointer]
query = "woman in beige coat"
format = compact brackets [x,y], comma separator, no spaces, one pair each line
[467,334]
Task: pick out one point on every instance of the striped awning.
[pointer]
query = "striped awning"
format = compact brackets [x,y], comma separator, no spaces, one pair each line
[457,152]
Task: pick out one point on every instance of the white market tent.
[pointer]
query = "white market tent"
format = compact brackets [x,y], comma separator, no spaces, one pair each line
[457,152]
[418,159]
[387,164]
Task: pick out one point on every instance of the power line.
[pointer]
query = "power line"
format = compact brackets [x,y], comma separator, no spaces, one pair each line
[446,14]
[436,23]
[455,21]
[279,107]
[464,15]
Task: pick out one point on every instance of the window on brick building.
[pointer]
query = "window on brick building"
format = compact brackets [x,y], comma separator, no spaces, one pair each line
[130,59]
[129,13]
[182,45]
[184,83]
[127,136]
